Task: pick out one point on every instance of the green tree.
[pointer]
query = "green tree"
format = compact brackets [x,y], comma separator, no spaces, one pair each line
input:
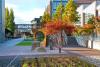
[46,18]
[6,18]
[70,14]
[58,13]
[11,20]
[91,20]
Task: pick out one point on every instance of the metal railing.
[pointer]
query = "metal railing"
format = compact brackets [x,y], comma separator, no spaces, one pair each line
[10,61]
[15,62]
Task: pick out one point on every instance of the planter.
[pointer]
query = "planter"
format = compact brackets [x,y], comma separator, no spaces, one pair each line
[71,62]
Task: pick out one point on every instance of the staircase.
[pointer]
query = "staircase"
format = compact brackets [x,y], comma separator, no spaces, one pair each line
[72,42]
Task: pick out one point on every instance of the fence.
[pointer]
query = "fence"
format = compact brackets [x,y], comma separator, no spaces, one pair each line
[72,41]
[10,61]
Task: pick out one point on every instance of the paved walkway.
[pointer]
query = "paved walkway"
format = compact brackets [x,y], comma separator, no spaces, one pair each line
[9,49]
[26,50]
[10,43]
[83,51]
[7,46]
[90,55]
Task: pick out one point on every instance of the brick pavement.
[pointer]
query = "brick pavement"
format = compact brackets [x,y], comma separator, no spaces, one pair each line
[83,51]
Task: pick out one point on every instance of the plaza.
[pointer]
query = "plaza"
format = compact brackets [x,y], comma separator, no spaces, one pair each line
[49,44]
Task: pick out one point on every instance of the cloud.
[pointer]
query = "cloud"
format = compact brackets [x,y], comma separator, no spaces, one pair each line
[11,6]
[29,15]
[25,15]
[27,12]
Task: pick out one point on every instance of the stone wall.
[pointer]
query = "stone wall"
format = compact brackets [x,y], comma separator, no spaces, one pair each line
[95,45]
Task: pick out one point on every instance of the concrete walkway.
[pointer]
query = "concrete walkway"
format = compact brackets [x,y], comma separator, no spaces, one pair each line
[7,46]
[82,51]
[10,43]
[9,49]
[25,50]
[90,55]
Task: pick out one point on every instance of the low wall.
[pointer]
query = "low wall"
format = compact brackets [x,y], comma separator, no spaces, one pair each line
[96,44]
[86,42]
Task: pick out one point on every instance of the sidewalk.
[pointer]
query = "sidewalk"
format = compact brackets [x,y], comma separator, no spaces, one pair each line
[10,43]
[25,50]
[82,51]
[90,55]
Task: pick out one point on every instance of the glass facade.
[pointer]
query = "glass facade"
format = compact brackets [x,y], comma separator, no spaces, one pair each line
[55,3]
[2,11]
[24,27]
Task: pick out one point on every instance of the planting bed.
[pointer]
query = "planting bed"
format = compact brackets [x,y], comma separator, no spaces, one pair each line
[55,62]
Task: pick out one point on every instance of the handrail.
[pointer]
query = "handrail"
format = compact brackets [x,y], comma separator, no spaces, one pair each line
[12,61]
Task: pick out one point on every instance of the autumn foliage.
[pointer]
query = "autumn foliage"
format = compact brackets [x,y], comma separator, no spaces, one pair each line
[88,26]
[97,18]
[55,27]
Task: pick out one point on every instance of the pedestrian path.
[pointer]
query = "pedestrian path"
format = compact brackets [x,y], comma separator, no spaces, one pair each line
[10,43]
[90,55]
[25,50]
[85,53]
[8,48]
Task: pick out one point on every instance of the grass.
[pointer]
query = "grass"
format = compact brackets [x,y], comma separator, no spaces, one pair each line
[24,43]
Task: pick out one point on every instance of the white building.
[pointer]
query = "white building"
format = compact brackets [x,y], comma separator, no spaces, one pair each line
[86,10]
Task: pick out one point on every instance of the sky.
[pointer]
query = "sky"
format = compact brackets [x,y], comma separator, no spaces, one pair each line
[26,10]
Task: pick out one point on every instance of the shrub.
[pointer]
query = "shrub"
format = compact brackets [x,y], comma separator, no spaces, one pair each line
[89,26]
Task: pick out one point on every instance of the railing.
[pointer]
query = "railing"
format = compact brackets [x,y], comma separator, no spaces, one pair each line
[82,40]
[10,61]
[72,41]
[97,38]
[15,62]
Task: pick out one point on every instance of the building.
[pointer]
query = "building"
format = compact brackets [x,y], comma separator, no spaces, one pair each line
[37,22]
[2,18]
[54,4]
[23,29]
[80,2]
[87,10]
